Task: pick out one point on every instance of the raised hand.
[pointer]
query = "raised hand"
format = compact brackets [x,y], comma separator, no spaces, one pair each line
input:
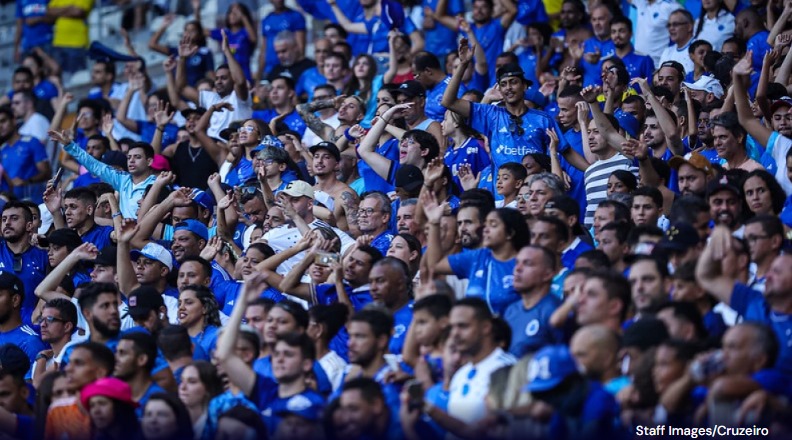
[186,47]
[743,67]
[338,101]
[181,197]
[227,201]
[107,123]
[576,51]
[467,179]
[86,251]
[212,248]
[551,133]
[169,65]
[642,83]
[224,44]
[582,112]
[433,171]
[434,210]
[781,41]
[396,110]
[592,58]
[635,148]
[356,131]
[571,74]
[212,180]
[53,197]
[162,117]
[127,231]
[770,57]
[287,208]
[364,240]
[61,137]
[65,99]
[590,93]
[465,50]
[165,178]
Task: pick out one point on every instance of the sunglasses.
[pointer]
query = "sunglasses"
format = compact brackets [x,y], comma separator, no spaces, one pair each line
[515,125]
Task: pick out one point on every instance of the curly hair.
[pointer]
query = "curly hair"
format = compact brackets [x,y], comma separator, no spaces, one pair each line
[207,299]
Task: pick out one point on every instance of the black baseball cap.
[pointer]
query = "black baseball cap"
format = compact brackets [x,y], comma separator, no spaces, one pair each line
[226,133]
[327,146]
[108,256]
[409,178]
[143,300]
[411,89]
[65,237]
[512,70]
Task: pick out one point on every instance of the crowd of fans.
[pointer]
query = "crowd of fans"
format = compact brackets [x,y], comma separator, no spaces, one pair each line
[486,219]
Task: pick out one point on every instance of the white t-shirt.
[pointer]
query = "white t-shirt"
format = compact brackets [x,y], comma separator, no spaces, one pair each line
[778,146]
[681,56]
[36,127]
[470,385]
[220,120]
[651,34]
[716,30]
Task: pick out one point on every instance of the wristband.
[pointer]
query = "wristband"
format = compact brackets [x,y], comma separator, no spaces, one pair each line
[117,214]
[349,137]
[159,128]
[42,356]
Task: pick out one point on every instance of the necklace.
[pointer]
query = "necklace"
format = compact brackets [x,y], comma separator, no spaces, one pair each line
[194,157]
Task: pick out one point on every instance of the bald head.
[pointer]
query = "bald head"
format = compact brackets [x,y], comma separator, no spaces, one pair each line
[595,348]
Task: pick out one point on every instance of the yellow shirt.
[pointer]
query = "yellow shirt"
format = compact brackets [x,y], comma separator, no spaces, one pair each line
[71,32]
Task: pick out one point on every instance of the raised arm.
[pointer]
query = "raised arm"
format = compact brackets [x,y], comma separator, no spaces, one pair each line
[434,253]
[604,126]
[393,62]
[479,56]
[583,121]
[186,49]
[154,43]
[346,23]
[307,113]
[237,75]
[764,81]
[53,197]
[782,74]
[46,288]
[148,202]
[60,111]
[150,221]
[709,273]
[238,371]
[135,84]
[217,153]
[367,148]
[441,15]
[450,100]
[292,280]
[127,281]
[509,12]
[740,74]
[667,125]
[162,117]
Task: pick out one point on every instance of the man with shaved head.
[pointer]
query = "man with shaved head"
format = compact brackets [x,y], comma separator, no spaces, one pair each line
[595,348]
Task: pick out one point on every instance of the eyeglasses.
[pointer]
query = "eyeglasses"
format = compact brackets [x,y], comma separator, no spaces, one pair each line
[321,97]
[48,319]
[515,125]
[367,211]
[676,24]
[466,386]
[246,128]
[248,190]
[526,196]
[755,238]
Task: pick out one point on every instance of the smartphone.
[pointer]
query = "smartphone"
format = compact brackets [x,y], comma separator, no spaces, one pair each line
[56,180]
[415,391]
[326,258]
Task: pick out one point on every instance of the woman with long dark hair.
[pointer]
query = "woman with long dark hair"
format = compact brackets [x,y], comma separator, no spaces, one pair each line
[200,314]
[166,418]
[490,268]
[763,193]
[199,384]
[111,409]
[365,83]
[466,147]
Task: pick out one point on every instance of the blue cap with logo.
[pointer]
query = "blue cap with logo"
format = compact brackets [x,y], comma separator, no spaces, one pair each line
[193,226]
[549,367]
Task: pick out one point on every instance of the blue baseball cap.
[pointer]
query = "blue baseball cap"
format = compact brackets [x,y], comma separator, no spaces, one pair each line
[193,226]
[204,199]
[268,140]
[628,122]
[392,14]
[549,367]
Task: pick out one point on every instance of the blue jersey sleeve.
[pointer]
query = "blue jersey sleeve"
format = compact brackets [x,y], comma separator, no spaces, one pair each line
[463,262]
[743,298]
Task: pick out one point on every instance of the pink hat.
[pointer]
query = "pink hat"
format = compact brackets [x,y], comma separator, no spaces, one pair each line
[109,387]
[160,163]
